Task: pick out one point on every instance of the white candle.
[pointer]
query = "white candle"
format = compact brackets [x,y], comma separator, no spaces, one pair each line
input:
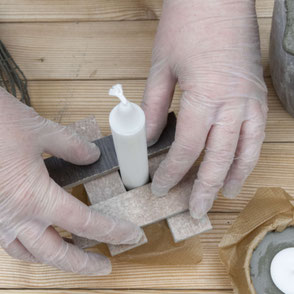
[282,270]
[127,123]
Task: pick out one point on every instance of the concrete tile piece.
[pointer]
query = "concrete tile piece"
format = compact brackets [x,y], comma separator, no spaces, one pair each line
[69,175]
[118,249]
[105,187]
[183,226]
[102,188]
[141,207]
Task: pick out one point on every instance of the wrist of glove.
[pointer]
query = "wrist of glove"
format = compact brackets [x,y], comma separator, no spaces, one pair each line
[31,202]
[211,48]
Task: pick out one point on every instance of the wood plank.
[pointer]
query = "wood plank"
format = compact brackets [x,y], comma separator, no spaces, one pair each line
[81,10]
[274,169]
[209,274]
[90,291]
[88,10]
[69,101]
[90,50]
[264,8]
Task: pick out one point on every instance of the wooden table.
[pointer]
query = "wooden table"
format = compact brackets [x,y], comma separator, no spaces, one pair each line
[72,52]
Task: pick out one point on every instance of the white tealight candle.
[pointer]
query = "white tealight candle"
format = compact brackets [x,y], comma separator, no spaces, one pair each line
[127,123]
[282,270]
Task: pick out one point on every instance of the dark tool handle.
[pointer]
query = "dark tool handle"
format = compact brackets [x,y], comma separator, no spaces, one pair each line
[68,175]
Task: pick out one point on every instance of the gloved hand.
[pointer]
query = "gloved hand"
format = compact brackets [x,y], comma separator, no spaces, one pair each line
[211,48]
[30,201]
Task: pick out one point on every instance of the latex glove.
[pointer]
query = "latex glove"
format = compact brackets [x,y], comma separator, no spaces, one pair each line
[211,48]
[30,201]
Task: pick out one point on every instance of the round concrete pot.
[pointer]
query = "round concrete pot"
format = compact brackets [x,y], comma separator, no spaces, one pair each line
[262,257]
[282,52]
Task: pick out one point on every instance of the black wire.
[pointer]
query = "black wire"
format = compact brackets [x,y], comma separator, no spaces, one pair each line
[11,76]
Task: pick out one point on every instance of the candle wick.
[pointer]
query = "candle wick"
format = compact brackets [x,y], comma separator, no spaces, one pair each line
[117,91]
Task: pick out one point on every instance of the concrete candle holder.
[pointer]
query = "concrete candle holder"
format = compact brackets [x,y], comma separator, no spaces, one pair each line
[262,257]
[250,244]
[282,52]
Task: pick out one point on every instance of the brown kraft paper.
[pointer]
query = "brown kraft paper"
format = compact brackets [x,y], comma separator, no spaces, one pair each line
[271,209]
[160,249]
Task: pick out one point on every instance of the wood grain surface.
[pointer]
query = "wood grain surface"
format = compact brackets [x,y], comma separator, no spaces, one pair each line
[32,291]
[69,101]
[72,52]
[90,50]
[89,10]
[209,274]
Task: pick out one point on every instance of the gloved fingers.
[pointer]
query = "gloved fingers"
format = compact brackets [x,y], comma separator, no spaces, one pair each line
[219,155]
[49,248]
[247,154]
[64,143]
[38,134]
[191,132]
[74,216]
[157,99]
[16,250]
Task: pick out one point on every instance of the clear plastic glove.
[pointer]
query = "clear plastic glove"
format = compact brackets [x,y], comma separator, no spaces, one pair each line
[30,201]
[211,48]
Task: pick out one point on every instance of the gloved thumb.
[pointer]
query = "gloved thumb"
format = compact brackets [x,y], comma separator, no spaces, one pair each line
[64,143]
[157,99]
